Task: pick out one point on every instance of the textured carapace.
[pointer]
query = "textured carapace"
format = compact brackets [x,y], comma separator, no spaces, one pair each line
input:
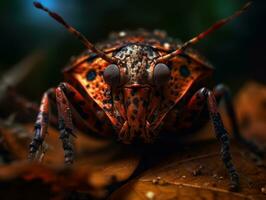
[137,78]
[136,104]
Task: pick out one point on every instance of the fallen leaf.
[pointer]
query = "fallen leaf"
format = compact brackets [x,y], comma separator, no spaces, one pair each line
[98,165]
[250,105]
[197,173]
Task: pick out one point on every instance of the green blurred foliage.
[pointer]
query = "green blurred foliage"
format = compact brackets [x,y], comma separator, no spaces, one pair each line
[236,50]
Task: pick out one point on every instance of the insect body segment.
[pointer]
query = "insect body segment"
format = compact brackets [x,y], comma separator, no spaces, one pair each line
[136,63]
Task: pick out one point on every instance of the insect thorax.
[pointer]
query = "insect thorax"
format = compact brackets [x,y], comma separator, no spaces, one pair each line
[136,59]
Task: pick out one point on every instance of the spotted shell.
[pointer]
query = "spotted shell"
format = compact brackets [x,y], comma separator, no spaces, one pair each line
[187,69]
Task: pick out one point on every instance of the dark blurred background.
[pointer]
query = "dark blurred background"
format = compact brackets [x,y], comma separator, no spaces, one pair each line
[236,50]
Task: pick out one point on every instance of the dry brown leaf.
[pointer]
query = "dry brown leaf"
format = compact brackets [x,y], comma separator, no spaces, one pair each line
[195,174]
[98,164]
[251,110]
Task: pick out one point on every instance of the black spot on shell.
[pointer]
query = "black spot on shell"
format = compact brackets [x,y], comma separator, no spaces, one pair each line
[133,91]
[91,75]
[127,103]
[136,102]
[133,117]
[110,101]
[135,112]
[106,101]
[147,66]
[117,98]
[184,71]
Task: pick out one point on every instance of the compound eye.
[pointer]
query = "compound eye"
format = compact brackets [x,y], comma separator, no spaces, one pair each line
[161,74]
[111,75]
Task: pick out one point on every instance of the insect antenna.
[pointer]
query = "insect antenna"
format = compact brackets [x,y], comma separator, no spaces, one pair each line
[202,35]
[76,33]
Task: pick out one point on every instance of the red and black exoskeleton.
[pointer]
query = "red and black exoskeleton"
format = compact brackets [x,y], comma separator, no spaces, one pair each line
[134,86]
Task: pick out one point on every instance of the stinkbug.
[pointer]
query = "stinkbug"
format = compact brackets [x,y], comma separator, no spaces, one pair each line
[135,86]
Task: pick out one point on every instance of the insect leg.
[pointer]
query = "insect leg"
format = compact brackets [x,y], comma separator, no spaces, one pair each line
[41,124]
[32,107]
[86,114]
[221,135]
[65,124]
[221,91]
